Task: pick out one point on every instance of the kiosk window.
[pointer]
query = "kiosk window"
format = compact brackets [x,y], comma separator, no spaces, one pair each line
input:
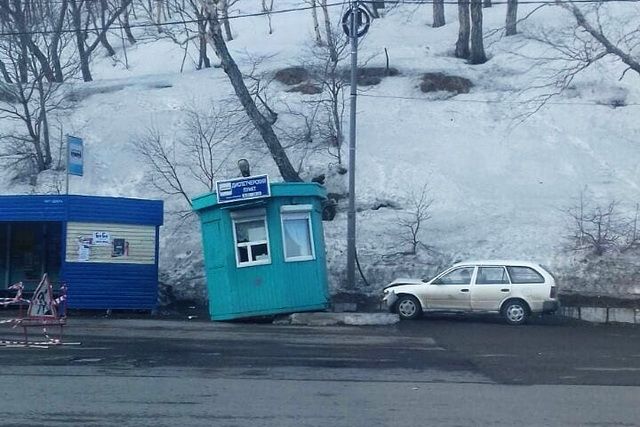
[297,236]
[252,243]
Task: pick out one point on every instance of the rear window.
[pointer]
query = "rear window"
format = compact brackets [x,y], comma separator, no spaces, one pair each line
[524,275]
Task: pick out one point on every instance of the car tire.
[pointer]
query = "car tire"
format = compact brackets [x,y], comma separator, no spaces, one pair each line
[408,307]
[515,312]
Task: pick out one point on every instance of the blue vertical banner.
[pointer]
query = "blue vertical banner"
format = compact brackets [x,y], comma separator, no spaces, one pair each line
[75,156]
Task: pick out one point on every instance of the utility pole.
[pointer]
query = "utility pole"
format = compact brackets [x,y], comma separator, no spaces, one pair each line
[351,215]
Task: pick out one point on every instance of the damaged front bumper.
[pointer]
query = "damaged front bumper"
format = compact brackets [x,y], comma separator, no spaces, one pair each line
[389,299]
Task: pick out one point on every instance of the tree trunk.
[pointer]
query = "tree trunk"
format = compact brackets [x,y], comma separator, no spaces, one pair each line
[203,61]
[477,43]
[512,17]
[103,34]
[224,6]
[438,13]
[26,42]
[316,25]
[55,42]
[23,68]
[44,126]
[462,45]
[127,26]
[261,123]
[28,121]
[5,73]
[76,19]
[333,53]
[159,5]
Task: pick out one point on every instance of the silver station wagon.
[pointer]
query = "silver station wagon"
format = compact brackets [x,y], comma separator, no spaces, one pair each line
[515,289]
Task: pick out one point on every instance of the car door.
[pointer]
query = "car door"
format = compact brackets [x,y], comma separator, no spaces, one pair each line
[490,288]
[451,290]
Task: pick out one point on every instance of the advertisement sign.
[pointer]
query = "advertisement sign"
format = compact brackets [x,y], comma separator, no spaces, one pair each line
[245,188]
[101,238]
[75,152]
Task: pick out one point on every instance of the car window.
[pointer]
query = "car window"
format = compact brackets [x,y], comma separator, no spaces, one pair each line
[524,275]
[492,276]
[459,276]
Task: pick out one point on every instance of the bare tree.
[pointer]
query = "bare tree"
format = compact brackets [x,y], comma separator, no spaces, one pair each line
[196,153]
[477,54]
[33,68]
[512,18]
[595,229]
[84,23]
[598,32]
[29,105]
[192,31]
[464,30]
[325,65]
[37,30]
[438,13]
[599,229]
[162,157]
[260,121]
[412,221]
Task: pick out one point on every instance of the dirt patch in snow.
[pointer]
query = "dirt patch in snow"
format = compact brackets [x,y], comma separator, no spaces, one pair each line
[439,82]
[306,88]
[372,76]
[292,75]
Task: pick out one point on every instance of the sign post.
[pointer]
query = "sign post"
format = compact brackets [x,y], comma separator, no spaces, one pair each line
[355,24]
[75,157]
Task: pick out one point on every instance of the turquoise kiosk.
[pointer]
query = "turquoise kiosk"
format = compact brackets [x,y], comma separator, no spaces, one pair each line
[263,247]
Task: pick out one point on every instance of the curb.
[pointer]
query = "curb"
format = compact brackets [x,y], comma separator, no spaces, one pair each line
[603,314]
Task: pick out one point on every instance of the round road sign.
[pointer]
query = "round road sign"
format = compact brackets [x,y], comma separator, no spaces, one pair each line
[363,20]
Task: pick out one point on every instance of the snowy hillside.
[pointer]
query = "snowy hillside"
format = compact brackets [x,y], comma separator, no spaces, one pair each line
[500,177]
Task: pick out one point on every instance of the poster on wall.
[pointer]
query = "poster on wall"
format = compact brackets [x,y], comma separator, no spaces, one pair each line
[84,249]
[120,248]
[101,238]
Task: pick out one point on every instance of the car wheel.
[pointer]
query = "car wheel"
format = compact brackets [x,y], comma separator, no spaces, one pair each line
[408,307]
[515,312]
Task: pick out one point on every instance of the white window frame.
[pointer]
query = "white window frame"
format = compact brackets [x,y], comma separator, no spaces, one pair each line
[248,245]
[297,212]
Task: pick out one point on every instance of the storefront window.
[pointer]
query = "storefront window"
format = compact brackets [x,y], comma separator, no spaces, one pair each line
[252,242]
[297,236]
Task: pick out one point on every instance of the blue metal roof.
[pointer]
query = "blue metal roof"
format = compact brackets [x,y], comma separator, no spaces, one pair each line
[81,208]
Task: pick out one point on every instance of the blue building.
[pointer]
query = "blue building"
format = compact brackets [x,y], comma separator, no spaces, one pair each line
[264,254]
[105,249]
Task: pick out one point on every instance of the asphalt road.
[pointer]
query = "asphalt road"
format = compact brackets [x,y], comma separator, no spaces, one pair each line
[448,371]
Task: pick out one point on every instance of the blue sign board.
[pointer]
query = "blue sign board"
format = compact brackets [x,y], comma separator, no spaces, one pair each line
[75,153]
[245,188]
